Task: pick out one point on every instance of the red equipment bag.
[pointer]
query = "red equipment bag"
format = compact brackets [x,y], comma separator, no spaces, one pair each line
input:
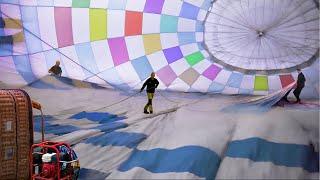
[16,134]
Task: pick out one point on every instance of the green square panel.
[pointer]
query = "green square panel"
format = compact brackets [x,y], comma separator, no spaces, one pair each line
[81,3]
[169,24]
[194,58]
[261,83]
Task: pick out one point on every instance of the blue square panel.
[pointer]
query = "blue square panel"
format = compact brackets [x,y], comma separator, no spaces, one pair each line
[142,67]
[189,11]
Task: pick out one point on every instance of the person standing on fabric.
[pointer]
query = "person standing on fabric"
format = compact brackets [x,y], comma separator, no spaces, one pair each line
[56,69]
[299,86]
[151,83]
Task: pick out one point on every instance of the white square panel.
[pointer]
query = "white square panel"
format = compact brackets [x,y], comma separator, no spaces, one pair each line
[172,7]
[135,5]
[223,77]
[179,85]
[230,90]
[128,74]
[201,66]
[179,66]
[102,54]
[135,46]
[151,23]
[186,25]
[80,24]
[63,3]
[247,82]
[38,64]
[116,23]
[202,15]
[201,84]
[99,4]
[169,40]
[74,70]
[189,49]
[47,27]
[157,60]
[199,36]
[274,82]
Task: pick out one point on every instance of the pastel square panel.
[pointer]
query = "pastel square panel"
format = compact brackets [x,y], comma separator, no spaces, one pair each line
[116,17]
[151,43]
[124,70]
[98,24]
[102,54]
[117,4]
[133,23]
[153,6]
[201,84]
[136,5]
[199,26]
[186,38]
[142,67]
[286,80]
[206,4]
[135,46]
[63,22]
[111,75]
[166,75]
[157,60]
[173,54]
[202,66]
[169,24]
[169,40]
[274,83]
[80,24]
[99,4]
[180,66]
[189,11]
[235,80]
[86,59]
[212,72]
[118,50]
[189,76]
[45,3]
[172,7]
[186,25]
[223,76]
[80,3]
[216,87]
[151,23]
[194,58]
[261,83]
[247,82]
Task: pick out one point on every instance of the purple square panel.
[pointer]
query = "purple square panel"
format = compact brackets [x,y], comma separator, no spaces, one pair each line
[153,6]
[118,50]
[212,72]
[166,75]
[173,54]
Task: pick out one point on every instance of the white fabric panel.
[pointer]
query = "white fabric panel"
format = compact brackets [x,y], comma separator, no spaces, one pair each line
[128,73]
[99,4]
[47,27]
[172,7]
[203,65]
[189,49]
[230,90]
[202,15]
[179,66]
[186,25]
[274,82]
[135,46]
[7,65]
[74,71]
[169,40]
[179,85]
[223,76]
[199,36]
[102,54]
[116,23]
[195,2]
[151,23]
[28,2]
[157,60]
[201,84]
[247,82]
[38,64]
[63,3]
[80,24]
[136,5]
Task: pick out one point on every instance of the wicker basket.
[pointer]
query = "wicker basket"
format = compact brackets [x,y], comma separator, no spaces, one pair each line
[16,134]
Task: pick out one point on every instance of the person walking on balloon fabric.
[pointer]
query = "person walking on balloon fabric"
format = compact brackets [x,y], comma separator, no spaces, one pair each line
[56,69]
[151,83]
[299,86]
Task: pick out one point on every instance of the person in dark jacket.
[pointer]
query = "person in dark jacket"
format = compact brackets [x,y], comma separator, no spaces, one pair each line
[299,86]
[56,69]
[151,83]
